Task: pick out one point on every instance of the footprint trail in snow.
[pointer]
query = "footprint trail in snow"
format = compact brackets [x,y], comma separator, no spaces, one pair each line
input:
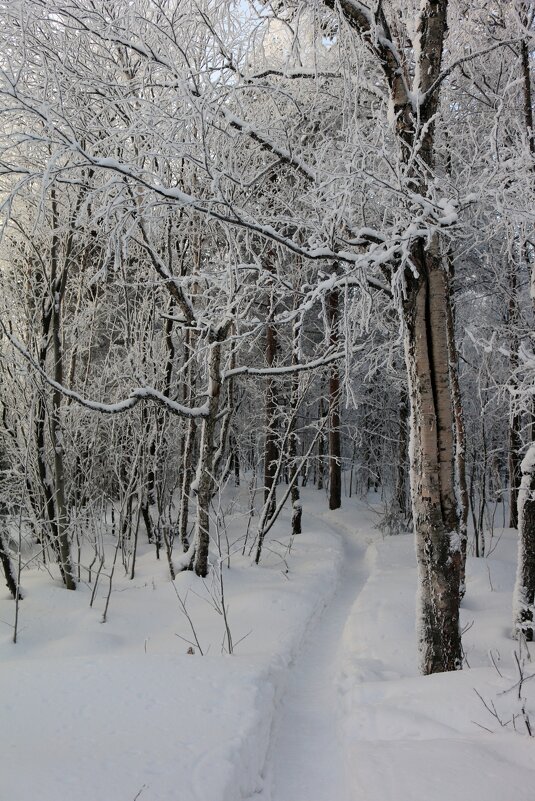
[306,761]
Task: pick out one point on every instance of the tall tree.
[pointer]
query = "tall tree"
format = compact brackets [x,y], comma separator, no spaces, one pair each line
[414,91]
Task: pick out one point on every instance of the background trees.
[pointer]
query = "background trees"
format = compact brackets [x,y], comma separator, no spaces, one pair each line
[224,212]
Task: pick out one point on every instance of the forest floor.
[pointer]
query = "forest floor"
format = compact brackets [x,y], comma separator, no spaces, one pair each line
[320,701]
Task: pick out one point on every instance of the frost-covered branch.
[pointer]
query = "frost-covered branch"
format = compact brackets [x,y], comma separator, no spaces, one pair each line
[136,395]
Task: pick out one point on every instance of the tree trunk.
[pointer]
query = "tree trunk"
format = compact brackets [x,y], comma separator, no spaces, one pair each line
[271,450]
[9,574]
[524,594]
[235,460]
[62,519]
[460,432]
[434,503]
[205,467]
[401,492]
[45,480]
[321,448]
[297,508]
[514,445]
[190,388]
[424,315]
[335,454]
[514,438]
[185,484]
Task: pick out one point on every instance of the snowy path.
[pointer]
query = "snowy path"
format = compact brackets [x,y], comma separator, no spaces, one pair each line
[306,762]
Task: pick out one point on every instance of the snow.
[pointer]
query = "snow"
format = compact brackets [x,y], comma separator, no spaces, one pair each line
[432,737]
[107,710]
[450,209]
[320,701]
[528,462]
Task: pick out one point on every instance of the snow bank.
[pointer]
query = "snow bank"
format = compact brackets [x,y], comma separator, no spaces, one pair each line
[120,710]
[434,737]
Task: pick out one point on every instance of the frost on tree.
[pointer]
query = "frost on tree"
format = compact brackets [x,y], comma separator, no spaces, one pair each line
[414,99]
[336,151]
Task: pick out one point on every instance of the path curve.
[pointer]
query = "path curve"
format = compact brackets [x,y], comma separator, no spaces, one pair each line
[306,759]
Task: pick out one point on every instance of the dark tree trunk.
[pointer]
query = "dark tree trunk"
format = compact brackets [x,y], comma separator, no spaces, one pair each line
[514,437]
[293,441]
[460,431]
[9,574]
[321,448]
[205,468]
[51,532]
[235,460]
[271,449]
[190,388]
[335,452]
[514,461]
[401,493]
[58,282]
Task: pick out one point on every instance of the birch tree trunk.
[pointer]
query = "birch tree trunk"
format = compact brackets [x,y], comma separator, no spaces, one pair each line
[434,503]
[414,99]
[524,593]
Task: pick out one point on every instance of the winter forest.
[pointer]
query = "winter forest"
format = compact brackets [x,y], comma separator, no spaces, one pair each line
[267,440]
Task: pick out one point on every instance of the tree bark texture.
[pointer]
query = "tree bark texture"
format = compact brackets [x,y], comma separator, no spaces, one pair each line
[460,434]
[271,450]
[205,467]
[58,282]
[402,499]
[514,437]
[524,594]
[190,388]
[321,448]
[335,450]
[9,573]
[293,442]
[434,500]
[514,461]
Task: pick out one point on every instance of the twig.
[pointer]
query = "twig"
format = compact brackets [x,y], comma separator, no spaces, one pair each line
[494,662]
[188,618]
[481,726]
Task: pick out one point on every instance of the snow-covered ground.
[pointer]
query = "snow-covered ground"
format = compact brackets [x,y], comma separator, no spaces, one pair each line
[436,738]
[320,701]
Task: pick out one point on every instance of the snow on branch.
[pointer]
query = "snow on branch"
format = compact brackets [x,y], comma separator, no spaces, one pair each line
[322,361]
[136,395]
